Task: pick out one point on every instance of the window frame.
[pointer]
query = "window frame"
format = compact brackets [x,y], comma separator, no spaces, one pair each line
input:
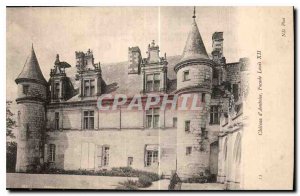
[174,122]
[186,75]
[56,121]
[25,89]
[214,115]
[88,120]
[152,157]
[129,161]
[188,150]
[105,155]
[52,153]
[153,80]
[89,90]
[153,115]
[56,90]
[187,129]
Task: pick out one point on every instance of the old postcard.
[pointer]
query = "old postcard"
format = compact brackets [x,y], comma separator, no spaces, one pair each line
[150,98]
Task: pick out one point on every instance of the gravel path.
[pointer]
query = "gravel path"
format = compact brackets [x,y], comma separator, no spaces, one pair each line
[52,181]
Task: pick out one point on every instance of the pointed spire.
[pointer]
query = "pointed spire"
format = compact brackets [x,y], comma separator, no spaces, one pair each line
[57,61]
[194,46]
[194,16]
[31,69]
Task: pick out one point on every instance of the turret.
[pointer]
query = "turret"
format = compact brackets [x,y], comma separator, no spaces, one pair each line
[194,79]
[32,96]
[61,87]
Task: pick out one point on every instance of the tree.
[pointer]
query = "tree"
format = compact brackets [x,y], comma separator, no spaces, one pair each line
[11,145]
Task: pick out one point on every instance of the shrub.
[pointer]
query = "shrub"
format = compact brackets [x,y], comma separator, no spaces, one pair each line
[145,181]
[128,185]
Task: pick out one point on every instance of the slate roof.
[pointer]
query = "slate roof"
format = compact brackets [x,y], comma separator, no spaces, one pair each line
[116,78]
[31,69]
[194,46]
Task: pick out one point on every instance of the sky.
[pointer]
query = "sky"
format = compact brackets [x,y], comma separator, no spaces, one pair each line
[108,32]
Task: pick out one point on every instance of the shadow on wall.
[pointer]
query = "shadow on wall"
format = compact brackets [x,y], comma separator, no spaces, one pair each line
[111,87]
[55,150]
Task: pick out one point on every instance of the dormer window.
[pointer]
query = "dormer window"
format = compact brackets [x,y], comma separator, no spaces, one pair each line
[56,90]
[25,89]
[153,82]
[89,87]
[186,75]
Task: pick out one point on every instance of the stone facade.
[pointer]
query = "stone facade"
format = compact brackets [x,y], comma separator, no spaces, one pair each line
[61,126]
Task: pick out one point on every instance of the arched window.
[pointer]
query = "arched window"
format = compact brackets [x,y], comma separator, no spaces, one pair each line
[237,148]
[225,149]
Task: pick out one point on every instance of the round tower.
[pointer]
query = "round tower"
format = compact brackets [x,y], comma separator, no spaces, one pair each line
[32,96]
[194,80]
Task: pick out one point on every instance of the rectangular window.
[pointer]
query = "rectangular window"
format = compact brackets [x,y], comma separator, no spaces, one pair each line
[105,156]
[151,157]
[156,84]
[203,98]
[56,90]
[188,150]
[89,87]
[187,126]
[88,119]
[99,156]
[174,122]
[130,161]
[25,89]
[152,118]
[56,120]
[235,88]
[51,157]
[152,82]
[214,115]
[186,75]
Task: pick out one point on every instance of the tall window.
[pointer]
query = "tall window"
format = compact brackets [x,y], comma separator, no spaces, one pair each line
[214,115]
[153,82]
[89,87]
[105,156]
[130,161]
[235,89]
[25,89]
[51,157]
[188,150]
[186,75]
[88,120]
[187,126]
[203,97]
[151,157]
[56,90]
[152,118]
[174,122]
[56,120]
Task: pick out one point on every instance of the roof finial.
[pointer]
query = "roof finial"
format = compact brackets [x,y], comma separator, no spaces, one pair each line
[194,16]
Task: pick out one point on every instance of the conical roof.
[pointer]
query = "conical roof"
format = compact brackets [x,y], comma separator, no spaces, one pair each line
[194,46]
[31,69]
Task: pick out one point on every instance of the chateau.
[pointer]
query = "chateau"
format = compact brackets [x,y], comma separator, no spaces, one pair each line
[60,124]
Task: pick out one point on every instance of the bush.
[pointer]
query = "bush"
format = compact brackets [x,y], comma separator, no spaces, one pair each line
[145,181]
[128,185]
[11,156]
[202,179]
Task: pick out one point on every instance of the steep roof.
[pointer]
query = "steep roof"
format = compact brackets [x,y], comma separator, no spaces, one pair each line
[194,46]
[31,69]
[116,77]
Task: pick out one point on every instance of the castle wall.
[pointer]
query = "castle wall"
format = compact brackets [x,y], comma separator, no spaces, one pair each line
[229,160]
[31,117]
[34,90]
[233,73]
[198,74]
[71,148]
